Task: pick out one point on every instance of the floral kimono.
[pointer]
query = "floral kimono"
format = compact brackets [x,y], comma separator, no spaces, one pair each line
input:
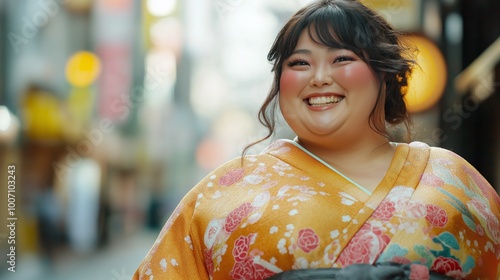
[286,209]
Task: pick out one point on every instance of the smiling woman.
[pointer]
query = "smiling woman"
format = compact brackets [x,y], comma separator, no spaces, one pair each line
[393,210]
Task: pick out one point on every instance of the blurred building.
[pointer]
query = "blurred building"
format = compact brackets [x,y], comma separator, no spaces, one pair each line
[113,109]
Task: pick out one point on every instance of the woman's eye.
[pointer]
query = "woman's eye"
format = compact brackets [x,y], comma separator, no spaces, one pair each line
[343,58]
[298,62]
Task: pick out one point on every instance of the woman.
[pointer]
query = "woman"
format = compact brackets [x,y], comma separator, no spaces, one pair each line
[341,194]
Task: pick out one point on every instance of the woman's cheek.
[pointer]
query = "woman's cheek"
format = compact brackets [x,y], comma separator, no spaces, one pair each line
[289,82]
[356,74]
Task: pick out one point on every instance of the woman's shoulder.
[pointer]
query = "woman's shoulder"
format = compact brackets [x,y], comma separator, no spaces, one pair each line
[449,157]
[454,168]
[231,170]
[450,162]
[440,153]
[449,168]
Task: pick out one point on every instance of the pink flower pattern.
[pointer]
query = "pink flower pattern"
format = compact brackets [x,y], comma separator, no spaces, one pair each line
[209,262]
[231,177]
[436,215]
[385,210]
[240,249]
[415,209]
[236,216]
[365,246]
[479,229]
[447,266]
[244,267]
[243,270]
[493,227]
[307,240]
[432,180]
[419,272]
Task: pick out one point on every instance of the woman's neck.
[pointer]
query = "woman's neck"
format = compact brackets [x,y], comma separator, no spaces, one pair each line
[364,162]
[364,151]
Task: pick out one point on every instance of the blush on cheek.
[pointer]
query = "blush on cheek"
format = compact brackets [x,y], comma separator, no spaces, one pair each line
[289,81]
[356,74]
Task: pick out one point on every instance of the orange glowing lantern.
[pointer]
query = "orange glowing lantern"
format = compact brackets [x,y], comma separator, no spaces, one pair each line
[427,82]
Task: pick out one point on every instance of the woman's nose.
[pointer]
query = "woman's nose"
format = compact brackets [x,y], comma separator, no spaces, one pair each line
[322,77]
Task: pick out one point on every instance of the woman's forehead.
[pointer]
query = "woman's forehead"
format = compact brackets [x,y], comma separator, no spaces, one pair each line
[325,37]
[317,34]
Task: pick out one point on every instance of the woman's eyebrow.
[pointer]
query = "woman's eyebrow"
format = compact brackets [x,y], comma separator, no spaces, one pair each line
[307,51]
[302,51]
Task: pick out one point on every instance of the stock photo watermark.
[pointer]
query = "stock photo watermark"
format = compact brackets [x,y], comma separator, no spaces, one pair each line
[456,114]
[11,221]
[31,24]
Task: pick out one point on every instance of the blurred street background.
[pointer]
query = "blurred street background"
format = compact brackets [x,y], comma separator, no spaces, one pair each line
[111,110]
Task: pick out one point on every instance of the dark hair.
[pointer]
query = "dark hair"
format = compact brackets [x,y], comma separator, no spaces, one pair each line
[347,24]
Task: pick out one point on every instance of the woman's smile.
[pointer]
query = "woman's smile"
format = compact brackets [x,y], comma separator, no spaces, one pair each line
[323,101]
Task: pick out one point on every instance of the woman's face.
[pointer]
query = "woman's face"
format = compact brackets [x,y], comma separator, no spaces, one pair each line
[326,93]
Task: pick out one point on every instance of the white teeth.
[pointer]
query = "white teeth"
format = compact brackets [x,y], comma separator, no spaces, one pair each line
[324,100]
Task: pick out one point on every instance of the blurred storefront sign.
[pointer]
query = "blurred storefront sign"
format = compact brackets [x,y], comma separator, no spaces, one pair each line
[113,33]
[115,82]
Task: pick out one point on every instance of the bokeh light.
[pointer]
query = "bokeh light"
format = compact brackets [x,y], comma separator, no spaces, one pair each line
[161,8]
[5,118]
[428,79]
[83,68]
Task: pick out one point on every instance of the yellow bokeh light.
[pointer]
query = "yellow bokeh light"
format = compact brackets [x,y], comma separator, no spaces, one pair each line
[428,79]
[42,115]
[82,69]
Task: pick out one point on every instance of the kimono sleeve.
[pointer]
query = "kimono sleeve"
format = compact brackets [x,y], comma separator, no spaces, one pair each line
[172,256]
[472,182]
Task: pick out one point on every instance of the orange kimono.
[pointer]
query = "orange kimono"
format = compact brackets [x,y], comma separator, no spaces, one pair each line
[286,209]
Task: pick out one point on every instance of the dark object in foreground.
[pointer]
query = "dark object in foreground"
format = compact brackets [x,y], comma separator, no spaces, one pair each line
[386,271]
